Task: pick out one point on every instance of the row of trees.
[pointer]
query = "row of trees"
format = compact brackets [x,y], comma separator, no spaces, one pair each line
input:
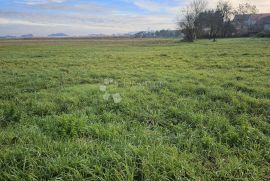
[200,21]
[158,34]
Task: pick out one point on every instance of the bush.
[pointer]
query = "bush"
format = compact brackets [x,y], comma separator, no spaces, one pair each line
[263,35]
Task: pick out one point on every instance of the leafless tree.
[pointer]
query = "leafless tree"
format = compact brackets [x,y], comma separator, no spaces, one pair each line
[227,11]
[188,24]
[226,8]
[246,8]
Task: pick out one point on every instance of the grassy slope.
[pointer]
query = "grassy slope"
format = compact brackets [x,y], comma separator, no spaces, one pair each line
[188,110]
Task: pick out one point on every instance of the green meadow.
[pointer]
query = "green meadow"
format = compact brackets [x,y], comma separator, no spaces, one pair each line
[123,109]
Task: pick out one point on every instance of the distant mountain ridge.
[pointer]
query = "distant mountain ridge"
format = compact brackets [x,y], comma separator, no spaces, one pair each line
[140,34]
[7,37]
[58,35]
[27,36]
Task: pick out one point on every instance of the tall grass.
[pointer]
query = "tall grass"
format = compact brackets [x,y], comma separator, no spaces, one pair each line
[187,111]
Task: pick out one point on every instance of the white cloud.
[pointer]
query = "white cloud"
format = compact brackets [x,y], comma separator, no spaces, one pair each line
[86,18]
[83,24]
[86,7]
[175,5]
[149,5]
[5,21]
[262,5]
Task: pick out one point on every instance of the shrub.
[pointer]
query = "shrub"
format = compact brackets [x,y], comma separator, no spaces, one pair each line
[262,35]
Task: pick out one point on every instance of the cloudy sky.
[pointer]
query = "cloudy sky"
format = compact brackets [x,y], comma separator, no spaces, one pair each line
[84,17]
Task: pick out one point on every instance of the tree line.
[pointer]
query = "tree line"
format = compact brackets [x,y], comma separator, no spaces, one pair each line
[199,21]
[158,34]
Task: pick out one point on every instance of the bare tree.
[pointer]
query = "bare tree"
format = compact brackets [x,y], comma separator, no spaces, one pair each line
[188,25]
[227,11]
[226,8]
[246,8]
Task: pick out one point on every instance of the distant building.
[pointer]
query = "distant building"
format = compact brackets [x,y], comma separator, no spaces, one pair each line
[251,24]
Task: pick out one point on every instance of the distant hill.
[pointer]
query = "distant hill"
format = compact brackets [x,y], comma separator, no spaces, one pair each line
[96,35]
[58,35]
[7,37]
[27,36]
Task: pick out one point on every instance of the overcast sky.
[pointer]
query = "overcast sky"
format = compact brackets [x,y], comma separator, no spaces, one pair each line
[84,17]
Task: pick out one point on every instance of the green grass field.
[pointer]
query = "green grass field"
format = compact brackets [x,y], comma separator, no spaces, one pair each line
[135,110]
